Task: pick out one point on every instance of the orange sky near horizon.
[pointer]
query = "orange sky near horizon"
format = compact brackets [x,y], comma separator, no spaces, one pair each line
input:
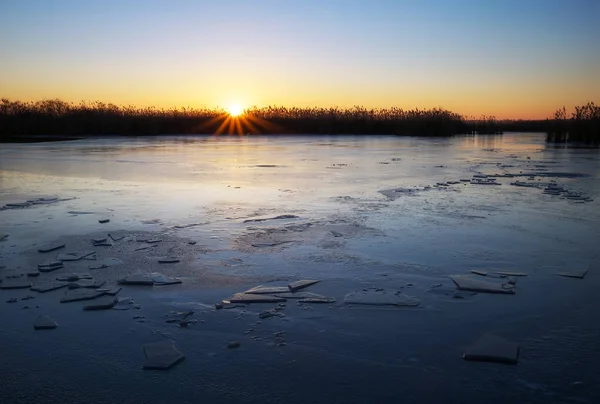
[340,54]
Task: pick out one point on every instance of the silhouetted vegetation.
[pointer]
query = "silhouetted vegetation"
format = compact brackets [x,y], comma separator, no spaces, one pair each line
[486,125]
[59,118]
[582,126]
[358,120]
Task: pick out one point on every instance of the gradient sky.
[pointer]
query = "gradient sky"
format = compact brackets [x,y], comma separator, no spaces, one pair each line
[511,59]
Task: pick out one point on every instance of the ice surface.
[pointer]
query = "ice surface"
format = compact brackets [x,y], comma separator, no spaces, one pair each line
[380,297]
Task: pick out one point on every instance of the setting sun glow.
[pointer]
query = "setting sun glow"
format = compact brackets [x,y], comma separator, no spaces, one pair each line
[235,110]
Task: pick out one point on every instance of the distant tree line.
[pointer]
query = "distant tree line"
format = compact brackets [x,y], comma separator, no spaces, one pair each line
[582,126]
[20,120]
[56,117]
[359,120]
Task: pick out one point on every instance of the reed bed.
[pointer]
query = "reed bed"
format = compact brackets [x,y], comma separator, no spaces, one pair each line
[55,117]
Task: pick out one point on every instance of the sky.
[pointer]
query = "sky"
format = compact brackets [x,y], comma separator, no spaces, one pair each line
[509,59]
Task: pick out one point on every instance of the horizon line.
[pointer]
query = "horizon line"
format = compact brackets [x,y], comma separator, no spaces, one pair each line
[247,109]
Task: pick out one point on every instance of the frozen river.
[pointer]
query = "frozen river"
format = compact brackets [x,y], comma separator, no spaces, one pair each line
[354,211]
[218,182]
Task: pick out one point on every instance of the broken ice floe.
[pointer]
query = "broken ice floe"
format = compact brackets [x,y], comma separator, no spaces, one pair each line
[102,303]
[574,273]
[44,323]
[267,290]
[182,318]
[321,299]
[510,273]
[50,247]
[86,283]
[270,218]
[51,265]
[253,298]
[33,202]
[101,242]
[48,286]
[380,297]
[582,272]
[125,303]
[154,278]
[477,284]
[105,263]
[160,279]
[161,355]
[110,290]
[137,278]
[15,283]
[301,284]
[484,181]
[490,348]
[74,256]
[74,295]
[273,244]
[452,292]
[299,295]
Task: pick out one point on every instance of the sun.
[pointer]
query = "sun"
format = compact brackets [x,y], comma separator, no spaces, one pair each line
[235,110]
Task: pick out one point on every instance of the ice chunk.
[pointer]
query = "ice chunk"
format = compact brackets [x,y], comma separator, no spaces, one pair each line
[301,284]
[15,283]
[44,323]
[136,278]
[252,298]
[103,303]
[48,286]
[75,295]
[267,290]
[51,247]
[160,279]
[490,348]
[477,284]
[161,355]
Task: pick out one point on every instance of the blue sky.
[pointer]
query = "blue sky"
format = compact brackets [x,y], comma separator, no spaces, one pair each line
[504,58]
